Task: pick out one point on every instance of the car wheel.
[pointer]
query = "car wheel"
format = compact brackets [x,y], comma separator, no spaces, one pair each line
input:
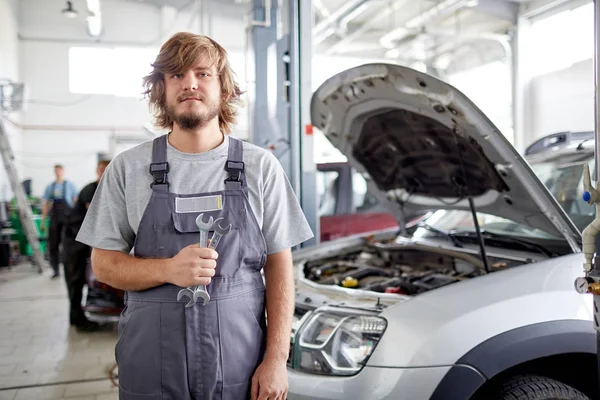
[533,387]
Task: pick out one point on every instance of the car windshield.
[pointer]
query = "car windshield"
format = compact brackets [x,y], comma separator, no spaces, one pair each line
[564,179]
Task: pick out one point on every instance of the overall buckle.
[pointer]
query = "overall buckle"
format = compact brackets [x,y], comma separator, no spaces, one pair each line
[234,170]
[159,171]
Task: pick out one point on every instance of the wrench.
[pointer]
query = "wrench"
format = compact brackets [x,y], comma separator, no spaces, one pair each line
[219,232]
[214,241]
[204,228]
[200,290]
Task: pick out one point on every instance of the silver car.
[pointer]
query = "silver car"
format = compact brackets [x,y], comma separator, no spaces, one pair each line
[477,303]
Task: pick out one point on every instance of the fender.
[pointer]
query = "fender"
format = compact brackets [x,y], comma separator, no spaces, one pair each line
[512,348]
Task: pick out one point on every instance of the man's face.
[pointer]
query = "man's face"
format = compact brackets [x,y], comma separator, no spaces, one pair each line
[193,98]
[59,172]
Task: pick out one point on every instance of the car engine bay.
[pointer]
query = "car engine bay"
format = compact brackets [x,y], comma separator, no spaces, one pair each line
[400,269]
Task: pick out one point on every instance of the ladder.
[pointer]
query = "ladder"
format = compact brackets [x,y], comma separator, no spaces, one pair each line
[23,206]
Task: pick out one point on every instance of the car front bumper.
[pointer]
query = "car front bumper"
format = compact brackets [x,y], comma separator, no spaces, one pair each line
[373,383]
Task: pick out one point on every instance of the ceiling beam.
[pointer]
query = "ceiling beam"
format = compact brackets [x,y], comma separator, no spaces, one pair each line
[501,9]
[372,23]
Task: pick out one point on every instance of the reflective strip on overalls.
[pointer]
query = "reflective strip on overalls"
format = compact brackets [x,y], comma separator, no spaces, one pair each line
[168,351]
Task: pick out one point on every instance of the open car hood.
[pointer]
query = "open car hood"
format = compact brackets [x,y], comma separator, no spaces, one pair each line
[423,145]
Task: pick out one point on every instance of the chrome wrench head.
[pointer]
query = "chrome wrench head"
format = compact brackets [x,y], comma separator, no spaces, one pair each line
[204,228]
[188,293]
[219,232]
[201,292]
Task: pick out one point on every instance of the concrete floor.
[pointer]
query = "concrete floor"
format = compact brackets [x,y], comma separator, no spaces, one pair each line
[41,356]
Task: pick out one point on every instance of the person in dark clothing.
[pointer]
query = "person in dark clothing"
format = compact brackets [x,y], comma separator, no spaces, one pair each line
[76,254]
[59,197]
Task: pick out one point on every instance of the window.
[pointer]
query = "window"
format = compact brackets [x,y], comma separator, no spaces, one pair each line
[90,70]
[565,181]
[327,191]
[363,200]
[109,71]
[119,71]
[489,87]
[563,39]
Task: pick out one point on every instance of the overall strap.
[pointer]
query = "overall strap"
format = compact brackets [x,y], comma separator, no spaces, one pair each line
[235,165]
[159,167]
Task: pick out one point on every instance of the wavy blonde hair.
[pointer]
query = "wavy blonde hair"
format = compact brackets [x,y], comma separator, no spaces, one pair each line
[177,55]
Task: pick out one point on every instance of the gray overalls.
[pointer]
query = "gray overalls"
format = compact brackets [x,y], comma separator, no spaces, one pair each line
[168,351]
[59,215]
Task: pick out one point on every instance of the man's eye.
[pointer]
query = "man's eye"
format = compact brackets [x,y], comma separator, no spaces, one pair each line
[176,76]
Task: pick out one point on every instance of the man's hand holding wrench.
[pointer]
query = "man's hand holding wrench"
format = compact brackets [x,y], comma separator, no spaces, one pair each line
[192,266]
[200,290]
[214,241]
[204,228]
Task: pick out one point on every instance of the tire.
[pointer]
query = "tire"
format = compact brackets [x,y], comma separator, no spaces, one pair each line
[533,387]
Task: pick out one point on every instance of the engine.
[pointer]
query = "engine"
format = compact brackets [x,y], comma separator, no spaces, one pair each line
[407,270]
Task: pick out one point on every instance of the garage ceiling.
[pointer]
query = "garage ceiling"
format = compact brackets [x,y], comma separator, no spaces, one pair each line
[410,31]
[439,34]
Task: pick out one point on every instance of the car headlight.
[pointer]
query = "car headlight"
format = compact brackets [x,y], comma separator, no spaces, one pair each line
[336,342]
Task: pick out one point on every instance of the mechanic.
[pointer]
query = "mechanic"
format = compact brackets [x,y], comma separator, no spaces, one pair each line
[148,201]
[76,254]
[59,198]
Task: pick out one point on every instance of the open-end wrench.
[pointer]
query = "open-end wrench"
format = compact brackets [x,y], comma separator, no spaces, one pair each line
[204,228]
[219,232]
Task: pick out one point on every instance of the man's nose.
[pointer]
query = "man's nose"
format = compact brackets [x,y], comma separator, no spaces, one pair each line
[190,82]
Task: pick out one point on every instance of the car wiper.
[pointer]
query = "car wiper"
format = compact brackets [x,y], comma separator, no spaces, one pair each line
[450,236]
[506,238]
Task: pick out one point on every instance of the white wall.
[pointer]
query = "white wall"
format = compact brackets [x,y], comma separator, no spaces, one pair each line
[563,100]
[8,39]
[9,70]
[71,129]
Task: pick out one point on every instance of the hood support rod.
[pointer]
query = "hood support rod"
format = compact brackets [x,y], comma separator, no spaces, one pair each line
[471,203]
[478,230]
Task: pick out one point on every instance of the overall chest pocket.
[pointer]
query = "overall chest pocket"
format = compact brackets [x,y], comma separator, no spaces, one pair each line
[185,223]
[228,246]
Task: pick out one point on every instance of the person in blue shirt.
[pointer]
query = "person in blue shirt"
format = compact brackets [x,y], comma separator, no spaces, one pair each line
[59,198]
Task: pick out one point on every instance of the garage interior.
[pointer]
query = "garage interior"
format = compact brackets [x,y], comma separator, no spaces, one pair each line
[70,94]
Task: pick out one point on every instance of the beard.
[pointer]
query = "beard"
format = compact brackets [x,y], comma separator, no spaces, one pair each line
[192,120]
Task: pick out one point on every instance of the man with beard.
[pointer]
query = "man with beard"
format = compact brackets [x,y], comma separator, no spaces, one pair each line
[142,225]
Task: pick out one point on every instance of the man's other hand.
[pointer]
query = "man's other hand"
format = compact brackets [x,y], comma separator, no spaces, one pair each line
[270,381]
